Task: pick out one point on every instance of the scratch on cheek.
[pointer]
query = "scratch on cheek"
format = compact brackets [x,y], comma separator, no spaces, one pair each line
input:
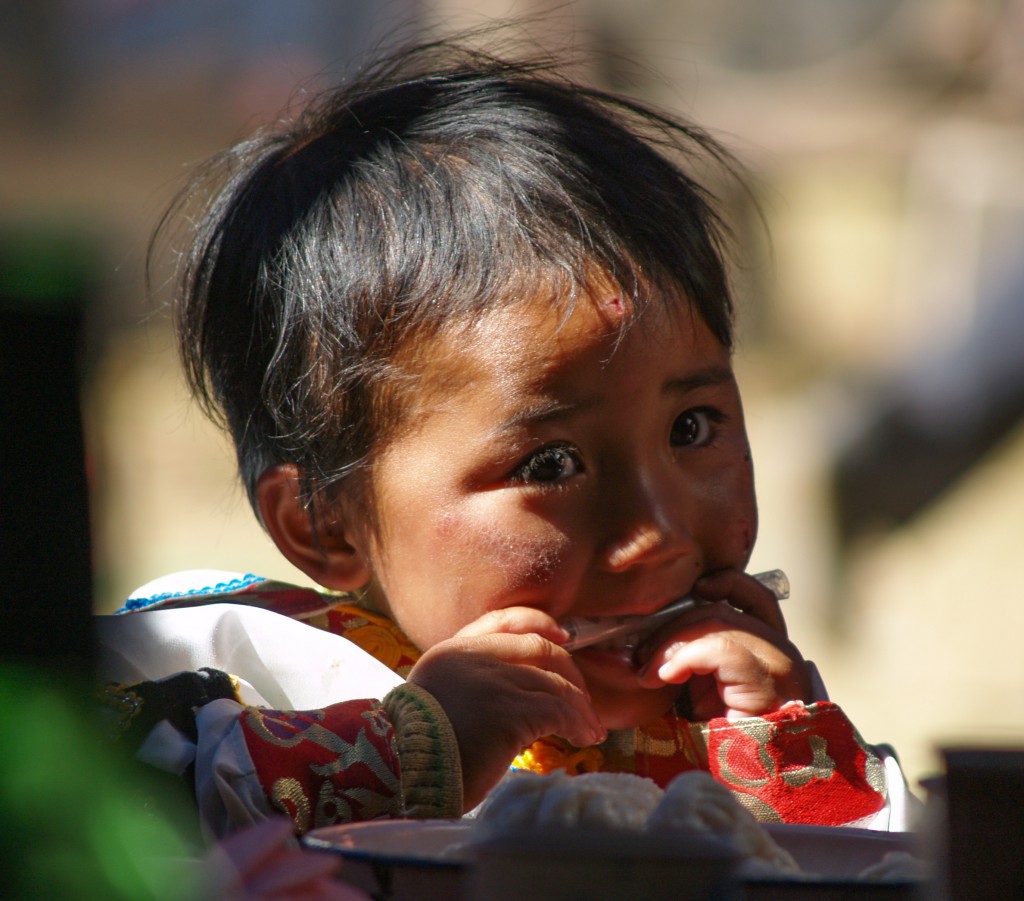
[748,540]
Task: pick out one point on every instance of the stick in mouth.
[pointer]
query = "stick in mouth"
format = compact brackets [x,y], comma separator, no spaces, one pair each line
[585,631]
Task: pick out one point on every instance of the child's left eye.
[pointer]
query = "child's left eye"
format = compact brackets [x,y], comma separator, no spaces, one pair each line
[694,427]
[553,463]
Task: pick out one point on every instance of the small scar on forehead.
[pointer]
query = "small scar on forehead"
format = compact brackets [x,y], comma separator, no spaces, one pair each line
[614,305]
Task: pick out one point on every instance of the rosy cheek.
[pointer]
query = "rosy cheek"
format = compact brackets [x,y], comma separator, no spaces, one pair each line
[524,563]
[500,561]
[534,565]
[448,524]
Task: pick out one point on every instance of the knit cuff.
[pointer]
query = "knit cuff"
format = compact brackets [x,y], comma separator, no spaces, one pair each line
[428,752]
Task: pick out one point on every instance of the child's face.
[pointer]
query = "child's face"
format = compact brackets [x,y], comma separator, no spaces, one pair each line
[546,465]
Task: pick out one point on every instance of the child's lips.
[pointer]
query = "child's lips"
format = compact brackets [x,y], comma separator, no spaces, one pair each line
[627,641]
[612,632]
[617,654]
[632,652]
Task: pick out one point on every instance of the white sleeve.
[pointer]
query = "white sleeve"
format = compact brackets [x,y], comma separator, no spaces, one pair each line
[902,808]
[228,791]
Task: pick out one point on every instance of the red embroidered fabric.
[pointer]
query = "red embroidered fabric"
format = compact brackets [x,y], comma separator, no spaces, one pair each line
[326,766]
[796,765]
[339,764]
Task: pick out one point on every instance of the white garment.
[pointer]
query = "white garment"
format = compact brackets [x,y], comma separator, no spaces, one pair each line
[280,663]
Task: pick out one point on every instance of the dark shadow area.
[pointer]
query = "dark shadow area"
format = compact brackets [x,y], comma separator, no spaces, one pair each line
[45,290]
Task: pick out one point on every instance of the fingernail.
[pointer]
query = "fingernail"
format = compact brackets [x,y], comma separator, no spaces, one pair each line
[666,672]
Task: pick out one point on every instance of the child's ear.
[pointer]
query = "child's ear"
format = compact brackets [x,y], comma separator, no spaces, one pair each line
[328,556]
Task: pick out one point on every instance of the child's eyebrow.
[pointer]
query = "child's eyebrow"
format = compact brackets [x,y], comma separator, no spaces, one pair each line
[716,375]
[551,410]
[546,411]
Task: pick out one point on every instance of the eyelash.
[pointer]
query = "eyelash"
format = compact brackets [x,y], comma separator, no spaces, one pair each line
[712,417]
[526,473]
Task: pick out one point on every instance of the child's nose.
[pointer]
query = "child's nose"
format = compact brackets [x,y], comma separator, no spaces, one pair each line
[653,530]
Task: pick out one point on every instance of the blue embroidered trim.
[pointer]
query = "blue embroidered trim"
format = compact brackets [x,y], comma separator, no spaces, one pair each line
[220,588]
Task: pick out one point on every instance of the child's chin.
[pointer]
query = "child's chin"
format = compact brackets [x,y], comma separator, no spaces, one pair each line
[626,711]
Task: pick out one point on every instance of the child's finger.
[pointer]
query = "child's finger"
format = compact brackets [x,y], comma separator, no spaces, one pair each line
[682,659]
[745,593]
[534,679]
[743,679]
[516,621]
[548,704]
[516,705]
[711,653]
[752,675]
[531,650]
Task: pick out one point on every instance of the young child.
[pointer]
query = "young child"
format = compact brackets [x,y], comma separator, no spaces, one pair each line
[469,327]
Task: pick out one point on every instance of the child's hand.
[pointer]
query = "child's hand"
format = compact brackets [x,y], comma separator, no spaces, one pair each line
[734,655]
[504,682]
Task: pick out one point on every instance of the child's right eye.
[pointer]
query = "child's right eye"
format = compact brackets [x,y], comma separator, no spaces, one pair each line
[554,463]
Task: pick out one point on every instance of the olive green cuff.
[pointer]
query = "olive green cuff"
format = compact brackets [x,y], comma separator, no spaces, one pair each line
[428,752]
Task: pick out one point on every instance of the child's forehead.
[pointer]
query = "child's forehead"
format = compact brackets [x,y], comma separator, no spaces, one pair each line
[536,338]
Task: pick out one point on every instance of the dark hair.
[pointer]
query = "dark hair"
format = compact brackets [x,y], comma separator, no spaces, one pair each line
[440,184]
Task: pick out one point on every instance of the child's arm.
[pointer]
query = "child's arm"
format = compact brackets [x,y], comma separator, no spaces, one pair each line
[504,682]
[297,729]
[733,653]
[352,760]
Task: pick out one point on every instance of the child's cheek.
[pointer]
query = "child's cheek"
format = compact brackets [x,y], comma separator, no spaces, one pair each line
[502,560]
[744,503]
[746,524]
[734,523]
[748,535]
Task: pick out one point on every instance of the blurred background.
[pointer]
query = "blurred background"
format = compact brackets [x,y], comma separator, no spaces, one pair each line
[882,320]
